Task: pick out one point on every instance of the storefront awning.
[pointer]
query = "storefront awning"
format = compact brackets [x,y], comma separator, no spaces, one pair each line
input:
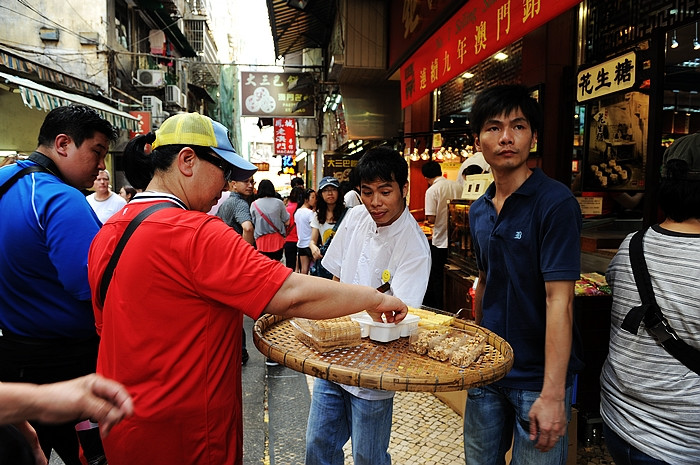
[44,98]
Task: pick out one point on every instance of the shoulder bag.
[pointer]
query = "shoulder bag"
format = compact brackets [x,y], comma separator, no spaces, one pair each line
[654,320]
[317,268]
[109,269]
[272,241]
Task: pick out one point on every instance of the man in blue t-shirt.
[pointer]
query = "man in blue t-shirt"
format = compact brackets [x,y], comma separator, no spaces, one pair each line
[526,230]
[47,327]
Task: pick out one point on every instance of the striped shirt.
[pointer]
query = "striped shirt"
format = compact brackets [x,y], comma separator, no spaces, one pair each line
[648,397]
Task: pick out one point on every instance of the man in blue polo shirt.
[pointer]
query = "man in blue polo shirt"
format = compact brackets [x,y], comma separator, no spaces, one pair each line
[526,230]
[47,327]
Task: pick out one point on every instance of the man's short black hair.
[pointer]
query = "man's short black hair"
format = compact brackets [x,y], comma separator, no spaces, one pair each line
[297,181]
[80,122]
[504,99]
[431,169]
[471,170]
[679,197]
[382,163]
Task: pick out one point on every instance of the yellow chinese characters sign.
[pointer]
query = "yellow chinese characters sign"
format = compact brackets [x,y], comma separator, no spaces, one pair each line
[478,30]
[606,78]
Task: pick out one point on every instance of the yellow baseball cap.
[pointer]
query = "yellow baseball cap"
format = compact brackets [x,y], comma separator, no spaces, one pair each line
[196,129]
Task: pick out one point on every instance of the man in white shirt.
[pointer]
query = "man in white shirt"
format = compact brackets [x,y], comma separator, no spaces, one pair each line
[103,201]
[475,160]
[436,197]
[378,242]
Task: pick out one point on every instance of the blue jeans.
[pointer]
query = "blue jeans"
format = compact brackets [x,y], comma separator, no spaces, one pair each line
[336,416]
[496,416]
[625,454]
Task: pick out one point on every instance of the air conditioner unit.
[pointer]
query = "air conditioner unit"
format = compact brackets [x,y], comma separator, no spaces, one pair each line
[183,101]
[152,104]
[150,77]
[172,95]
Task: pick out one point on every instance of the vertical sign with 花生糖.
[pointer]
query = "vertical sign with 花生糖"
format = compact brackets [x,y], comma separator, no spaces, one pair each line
[478,30]
[286,142]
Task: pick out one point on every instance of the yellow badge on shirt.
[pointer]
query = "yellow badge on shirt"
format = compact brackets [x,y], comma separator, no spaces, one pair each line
[386,276]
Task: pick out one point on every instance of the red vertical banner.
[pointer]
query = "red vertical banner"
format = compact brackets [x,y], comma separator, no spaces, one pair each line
[285,136]
[144,118]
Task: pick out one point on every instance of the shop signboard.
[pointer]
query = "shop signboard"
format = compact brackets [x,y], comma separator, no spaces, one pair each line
[606,78]
[478,30]
[285,136]
[338,166]
[144,123]
[267,95]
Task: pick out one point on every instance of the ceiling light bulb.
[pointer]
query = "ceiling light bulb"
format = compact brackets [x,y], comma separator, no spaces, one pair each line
[674,42]
[500,56]
[696,44]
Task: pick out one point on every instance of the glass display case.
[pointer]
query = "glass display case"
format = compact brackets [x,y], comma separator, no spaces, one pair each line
[460,270]
[459,246]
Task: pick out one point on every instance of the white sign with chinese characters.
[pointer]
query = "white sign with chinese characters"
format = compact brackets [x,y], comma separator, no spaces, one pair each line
[606,78]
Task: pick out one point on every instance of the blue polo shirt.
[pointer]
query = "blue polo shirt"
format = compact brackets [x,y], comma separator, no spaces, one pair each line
[535,239]
[45,232]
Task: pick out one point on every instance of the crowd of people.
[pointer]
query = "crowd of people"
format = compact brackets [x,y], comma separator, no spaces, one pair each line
[214,248]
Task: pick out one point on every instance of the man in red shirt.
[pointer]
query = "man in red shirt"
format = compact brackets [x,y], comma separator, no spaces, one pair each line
[171,319]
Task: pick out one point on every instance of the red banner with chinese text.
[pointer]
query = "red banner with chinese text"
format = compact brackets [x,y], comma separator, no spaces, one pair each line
[477,31]
[285,136]
[144,118]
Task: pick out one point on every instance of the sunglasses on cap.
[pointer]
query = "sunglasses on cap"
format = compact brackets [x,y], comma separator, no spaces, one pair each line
[220,163]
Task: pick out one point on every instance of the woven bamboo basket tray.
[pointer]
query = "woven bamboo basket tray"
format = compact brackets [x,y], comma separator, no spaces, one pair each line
[391,366]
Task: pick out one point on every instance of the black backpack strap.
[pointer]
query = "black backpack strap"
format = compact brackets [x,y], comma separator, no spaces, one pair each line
[13,179]
[109,270]
[654,320]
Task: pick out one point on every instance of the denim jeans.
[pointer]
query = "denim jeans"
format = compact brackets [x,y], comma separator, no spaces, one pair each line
[495,417]
[335,416]
[625,454]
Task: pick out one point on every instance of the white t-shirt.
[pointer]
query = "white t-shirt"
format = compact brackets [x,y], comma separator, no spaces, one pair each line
[302,218]
[104,209]
[360,252]
[476,159]
[324,230]
[436,198]
[352,198]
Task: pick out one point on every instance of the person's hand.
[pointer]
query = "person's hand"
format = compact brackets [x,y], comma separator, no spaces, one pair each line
[392,308]
[315,252]
[30,435]
[547,422]
[102,400]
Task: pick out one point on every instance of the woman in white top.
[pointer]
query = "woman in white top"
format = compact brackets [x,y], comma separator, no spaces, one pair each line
[330,210]
[302,218]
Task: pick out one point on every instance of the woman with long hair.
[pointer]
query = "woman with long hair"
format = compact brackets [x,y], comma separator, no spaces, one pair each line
[270,220]
[302,218]
[294,202]
[330,209]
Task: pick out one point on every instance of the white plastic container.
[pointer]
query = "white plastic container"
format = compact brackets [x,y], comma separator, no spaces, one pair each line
[409,325]
[384,332]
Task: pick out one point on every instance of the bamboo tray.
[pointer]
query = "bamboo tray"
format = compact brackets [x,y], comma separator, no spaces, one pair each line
[391,366]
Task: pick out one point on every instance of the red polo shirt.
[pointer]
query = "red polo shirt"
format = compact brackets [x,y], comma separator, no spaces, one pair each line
[171,333]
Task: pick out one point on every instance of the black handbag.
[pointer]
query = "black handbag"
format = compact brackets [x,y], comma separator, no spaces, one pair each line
[317,268]
[14,448]
[654,320]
